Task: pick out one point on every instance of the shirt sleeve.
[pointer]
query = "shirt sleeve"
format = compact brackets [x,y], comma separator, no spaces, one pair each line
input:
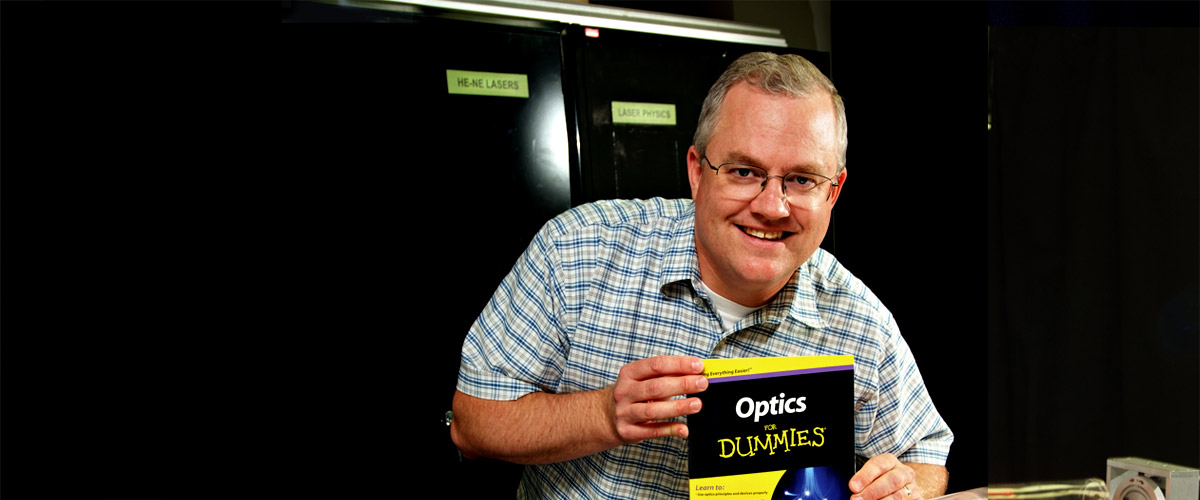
[906,422]
[517,346]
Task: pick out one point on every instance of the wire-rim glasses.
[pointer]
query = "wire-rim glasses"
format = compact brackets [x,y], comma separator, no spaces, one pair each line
[744,182]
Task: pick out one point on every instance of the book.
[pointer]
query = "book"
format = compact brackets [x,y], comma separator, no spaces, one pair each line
[773,428]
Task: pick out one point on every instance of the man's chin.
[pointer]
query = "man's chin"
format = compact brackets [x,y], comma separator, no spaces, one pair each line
[765,280]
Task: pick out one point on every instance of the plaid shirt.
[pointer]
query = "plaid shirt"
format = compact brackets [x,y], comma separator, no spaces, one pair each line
[612,282]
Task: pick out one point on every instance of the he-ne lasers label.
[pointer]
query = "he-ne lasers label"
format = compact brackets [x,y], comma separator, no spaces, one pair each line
[483,83]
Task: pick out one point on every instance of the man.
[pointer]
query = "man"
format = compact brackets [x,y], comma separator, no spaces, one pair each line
[577,365]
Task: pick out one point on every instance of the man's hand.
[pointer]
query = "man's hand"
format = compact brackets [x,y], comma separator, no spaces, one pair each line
[884,476]
[642,396]
[541,427]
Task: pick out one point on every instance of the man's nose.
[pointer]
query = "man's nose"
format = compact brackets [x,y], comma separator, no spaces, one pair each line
[772,201]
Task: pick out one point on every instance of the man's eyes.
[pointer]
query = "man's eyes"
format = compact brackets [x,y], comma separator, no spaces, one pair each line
[803,180]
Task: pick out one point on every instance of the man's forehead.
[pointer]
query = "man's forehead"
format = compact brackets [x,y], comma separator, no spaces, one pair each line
[749,103]
[800,163]
[758,128]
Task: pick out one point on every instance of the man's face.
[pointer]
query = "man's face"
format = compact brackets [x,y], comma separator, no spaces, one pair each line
[748,249]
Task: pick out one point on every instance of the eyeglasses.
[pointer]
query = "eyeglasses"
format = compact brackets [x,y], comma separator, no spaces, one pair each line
[744,182]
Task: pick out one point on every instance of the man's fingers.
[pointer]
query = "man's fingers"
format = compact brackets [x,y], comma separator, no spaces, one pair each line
[645,395]
[657,389]
[890,483]
[659,366]
[881,477]
[870,471]
[639,421]
[658,410]
[652,430]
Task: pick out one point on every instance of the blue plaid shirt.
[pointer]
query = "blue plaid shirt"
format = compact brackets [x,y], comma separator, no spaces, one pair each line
[612,282]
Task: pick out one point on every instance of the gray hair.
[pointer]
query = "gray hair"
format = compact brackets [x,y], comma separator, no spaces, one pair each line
[787,74]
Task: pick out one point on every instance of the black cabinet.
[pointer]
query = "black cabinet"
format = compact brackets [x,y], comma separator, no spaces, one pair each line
[561,146]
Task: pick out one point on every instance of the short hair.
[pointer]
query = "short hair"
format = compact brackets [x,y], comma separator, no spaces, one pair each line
[787,74]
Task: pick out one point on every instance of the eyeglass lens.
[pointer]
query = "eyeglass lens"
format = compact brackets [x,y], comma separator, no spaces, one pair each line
[745,182]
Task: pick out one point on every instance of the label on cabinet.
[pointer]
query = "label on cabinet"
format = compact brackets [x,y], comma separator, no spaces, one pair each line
[484,83]
[643,113]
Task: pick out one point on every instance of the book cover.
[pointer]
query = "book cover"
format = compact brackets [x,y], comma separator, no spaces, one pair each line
[774,428]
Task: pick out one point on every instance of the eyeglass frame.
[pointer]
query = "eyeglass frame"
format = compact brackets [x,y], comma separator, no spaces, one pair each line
[782,178]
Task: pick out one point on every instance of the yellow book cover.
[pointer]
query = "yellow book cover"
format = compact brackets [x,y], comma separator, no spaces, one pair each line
[774,428]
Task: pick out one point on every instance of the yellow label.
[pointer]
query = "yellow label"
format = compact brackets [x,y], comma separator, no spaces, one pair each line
[483,83]
[716,368]
[758,486]
[643,113]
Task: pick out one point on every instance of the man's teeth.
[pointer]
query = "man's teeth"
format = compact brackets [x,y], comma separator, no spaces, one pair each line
[766,235]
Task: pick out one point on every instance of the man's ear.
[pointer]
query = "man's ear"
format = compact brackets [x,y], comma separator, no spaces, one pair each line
[837,191]
[695,170]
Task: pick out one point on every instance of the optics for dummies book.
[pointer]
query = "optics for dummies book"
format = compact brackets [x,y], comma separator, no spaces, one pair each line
[774,428]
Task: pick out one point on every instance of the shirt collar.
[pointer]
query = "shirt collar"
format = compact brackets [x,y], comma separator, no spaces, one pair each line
[679,262]
[797,300]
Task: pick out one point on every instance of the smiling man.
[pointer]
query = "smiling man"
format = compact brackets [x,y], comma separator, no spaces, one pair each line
[578,363]
[750,237]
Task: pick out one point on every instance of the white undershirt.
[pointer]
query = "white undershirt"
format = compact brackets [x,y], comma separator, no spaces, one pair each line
[731,312]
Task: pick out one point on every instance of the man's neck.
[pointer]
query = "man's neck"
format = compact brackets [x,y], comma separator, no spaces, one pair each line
[743,296]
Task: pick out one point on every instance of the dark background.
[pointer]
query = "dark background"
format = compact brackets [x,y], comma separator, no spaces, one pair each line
[209,293]
[909,74]
[212,286]
[1092,237]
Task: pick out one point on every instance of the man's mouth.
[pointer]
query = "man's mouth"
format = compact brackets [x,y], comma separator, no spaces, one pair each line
[765,235]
